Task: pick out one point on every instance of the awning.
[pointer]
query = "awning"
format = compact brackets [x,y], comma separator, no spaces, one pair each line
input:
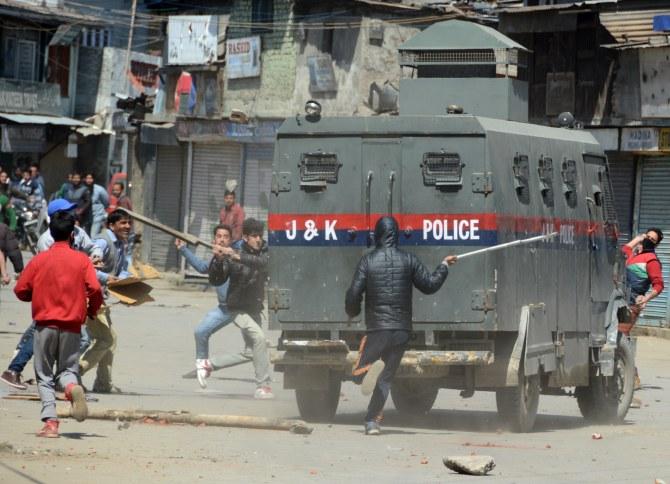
[158,134]
[634,29]
[86,131]
[40,119]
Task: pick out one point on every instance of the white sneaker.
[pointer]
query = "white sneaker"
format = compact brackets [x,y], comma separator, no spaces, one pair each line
[203,368]
[264,393]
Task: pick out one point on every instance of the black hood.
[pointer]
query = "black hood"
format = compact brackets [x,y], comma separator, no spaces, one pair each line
[386,232]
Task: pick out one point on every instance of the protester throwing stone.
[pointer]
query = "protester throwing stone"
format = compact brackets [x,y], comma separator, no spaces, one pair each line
[386,275]
[61,284]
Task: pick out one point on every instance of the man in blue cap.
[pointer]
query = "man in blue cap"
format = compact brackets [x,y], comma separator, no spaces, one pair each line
[24,350]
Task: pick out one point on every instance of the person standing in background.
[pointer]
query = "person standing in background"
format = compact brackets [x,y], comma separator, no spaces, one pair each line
[232,214]
[99,204]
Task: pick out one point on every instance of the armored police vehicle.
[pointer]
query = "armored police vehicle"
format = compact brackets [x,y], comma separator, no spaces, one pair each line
[460,168]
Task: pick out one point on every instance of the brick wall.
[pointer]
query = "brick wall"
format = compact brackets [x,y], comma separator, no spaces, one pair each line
[271,95]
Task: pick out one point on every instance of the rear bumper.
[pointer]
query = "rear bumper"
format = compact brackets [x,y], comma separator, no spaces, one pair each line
[336,355]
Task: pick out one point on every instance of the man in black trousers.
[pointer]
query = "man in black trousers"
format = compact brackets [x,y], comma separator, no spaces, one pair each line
[387,275]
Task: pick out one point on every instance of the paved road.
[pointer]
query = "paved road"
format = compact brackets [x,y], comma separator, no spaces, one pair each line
[156,348]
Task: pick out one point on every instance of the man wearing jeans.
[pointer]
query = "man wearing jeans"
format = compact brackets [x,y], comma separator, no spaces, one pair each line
[387,276]
[215,319]
[247,271]
[63,289]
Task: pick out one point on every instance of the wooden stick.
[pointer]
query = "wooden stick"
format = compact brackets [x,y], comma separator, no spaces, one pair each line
[182,417]
[189,238]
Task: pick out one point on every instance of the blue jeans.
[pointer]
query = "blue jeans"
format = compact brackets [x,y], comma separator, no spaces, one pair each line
[25,347]
[213,321]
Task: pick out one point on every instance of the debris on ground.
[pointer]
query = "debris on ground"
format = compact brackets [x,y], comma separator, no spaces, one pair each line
[636,403]
[474,465]
[596,436]
[161,417]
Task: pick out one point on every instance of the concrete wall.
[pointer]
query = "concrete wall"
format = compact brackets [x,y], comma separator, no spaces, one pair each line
[357,63]
[271,94]
[626,88]
[88,80]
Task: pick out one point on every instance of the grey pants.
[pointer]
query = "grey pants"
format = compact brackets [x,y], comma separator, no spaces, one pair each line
[53,346]
[252,333]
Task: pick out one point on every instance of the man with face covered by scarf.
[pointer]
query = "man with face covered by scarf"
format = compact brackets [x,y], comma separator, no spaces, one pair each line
[643,271]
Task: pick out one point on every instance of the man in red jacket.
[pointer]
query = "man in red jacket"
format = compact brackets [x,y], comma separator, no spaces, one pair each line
[63,288]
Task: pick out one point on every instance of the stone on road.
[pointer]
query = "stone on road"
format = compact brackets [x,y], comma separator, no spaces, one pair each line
[474,465]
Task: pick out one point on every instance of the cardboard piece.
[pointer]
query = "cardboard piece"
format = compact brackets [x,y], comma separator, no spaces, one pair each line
[133,292]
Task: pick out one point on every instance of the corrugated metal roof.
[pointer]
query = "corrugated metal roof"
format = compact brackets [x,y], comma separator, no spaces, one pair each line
[39,119]
[560,6]
[634,27]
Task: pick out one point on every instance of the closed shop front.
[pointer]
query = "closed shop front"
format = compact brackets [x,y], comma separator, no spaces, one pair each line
[167,205]
[654,211]
[212,166]
[622,174]
[257,180]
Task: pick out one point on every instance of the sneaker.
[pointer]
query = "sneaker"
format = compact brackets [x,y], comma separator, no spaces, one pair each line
[264,393]
[50,429]
[372,428]
[13,379]
[371,376]
[203,368]
[75,394]
[638,384]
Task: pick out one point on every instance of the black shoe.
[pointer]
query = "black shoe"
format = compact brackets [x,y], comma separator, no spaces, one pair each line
[372,428]
[13,379]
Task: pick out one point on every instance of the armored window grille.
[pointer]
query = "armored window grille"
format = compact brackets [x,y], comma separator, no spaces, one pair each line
[569,173]
[318,168]
[521,168]
[545,169]
[442,169]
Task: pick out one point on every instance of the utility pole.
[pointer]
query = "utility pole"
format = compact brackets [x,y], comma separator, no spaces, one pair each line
[130,44]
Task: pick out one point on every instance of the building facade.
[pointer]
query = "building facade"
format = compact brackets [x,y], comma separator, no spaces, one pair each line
[233,71]
[607,63]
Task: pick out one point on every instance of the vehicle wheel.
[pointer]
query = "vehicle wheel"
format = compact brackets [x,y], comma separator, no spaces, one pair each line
[607,398]
[319,405]
[32,244]
[414,397]
[517,405]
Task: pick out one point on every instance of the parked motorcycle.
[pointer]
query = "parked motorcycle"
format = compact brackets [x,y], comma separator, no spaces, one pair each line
[31,218]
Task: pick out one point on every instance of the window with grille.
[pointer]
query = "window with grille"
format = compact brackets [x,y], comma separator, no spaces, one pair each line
[318,168]
[96,37]
[442,169]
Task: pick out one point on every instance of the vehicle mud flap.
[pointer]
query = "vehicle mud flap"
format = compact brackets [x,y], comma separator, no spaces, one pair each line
[616,310]
[512,376]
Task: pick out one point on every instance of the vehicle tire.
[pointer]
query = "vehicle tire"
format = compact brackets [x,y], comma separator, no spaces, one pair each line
[607,398]
[517,406]
[319,405]
[414,397]
[32,243]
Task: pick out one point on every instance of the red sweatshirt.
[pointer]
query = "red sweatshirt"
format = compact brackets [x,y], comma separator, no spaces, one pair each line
[58,282]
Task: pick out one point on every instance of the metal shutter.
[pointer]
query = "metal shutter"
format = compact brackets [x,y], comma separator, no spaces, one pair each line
[654,211]
[213,165]
[258,180]
[167,205]
[622,175]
